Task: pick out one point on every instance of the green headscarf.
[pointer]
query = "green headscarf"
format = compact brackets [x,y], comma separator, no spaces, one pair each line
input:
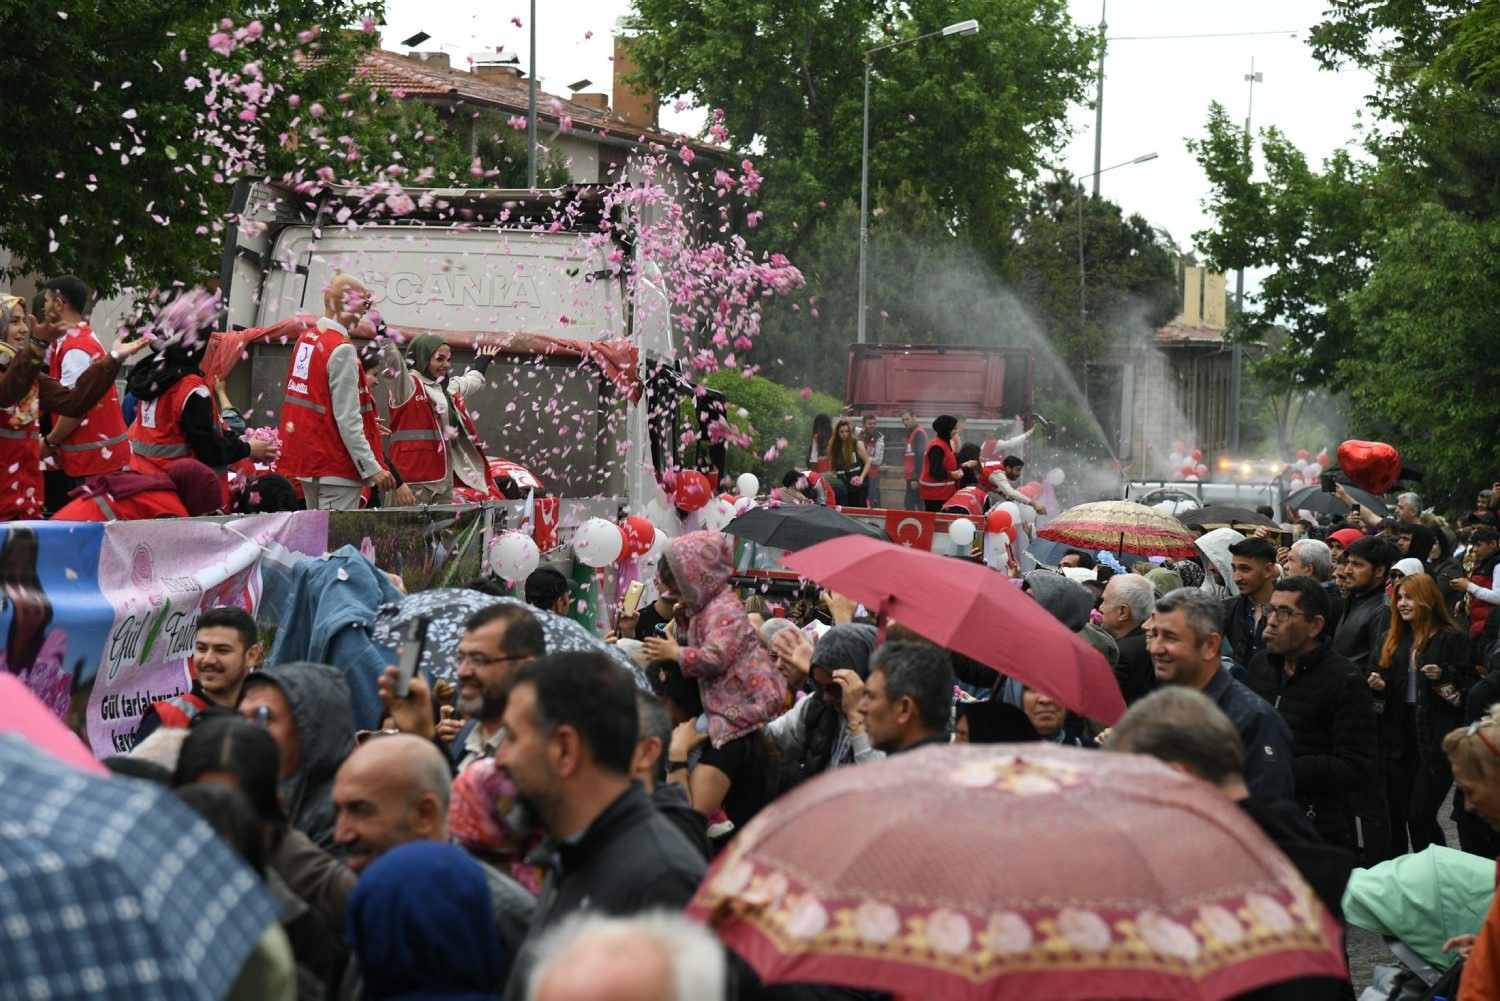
[419,355]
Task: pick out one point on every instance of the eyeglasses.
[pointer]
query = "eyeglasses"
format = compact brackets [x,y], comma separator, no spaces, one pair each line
[1282,613]
[480,660]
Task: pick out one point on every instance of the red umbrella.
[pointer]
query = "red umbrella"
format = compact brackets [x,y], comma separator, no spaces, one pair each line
[1016,871]
[971,609]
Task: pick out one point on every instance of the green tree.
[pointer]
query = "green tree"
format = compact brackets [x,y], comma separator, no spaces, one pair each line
[967,120]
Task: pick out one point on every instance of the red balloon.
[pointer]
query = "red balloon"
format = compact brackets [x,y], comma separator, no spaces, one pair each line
[1304,455]
[1032,490]
[1010,533]
[1197,455]
[1179,447]
[1323,458]
[1370,465]
[693,490]
[1188,469]
[638,534]
[997,521]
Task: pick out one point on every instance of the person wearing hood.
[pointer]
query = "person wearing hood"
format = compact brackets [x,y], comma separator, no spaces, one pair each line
[187,489]
[1214,546]
[434,445]
[178,414]
[742,690]
[825,730]
[1070,603]
[305,706]
[422,926]
[26,391]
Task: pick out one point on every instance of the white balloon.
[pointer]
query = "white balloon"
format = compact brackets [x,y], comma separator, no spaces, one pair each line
[1297,483]
[1056,477]
[744,504]
[1192,478]
[1175,459]
[961,531]
[717,514]
[1313,471]
[514,555]
[1028,515]
[747,485]
[597,543]
[1014,510]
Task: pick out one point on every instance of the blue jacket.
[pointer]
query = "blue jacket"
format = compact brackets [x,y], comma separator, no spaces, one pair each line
[1267,738]
[328,617]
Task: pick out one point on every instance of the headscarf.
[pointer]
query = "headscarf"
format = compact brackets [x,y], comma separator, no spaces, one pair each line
[943,426]
[421,925]
[997,723]
[1164,581]
[1190,572]
[842,647]
[1422,541]
[197,485]
[419,355]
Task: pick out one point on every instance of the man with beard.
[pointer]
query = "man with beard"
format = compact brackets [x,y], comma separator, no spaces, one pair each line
[496,641]
[570,737]
[226,649]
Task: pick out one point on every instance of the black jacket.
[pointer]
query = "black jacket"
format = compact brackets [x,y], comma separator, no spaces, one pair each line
[1244,639]
[1265,735]
[1449,649]
[1328,707]
[630,859]
[1133,671]
[1361,631]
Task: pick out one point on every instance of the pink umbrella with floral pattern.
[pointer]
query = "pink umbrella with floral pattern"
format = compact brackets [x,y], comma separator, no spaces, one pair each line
[1016,871]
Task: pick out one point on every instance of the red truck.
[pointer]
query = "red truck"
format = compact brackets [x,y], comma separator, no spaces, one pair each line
[976,384]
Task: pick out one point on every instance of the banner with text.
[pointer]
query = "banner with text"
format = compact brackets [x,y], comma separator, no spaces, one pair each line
[156,576]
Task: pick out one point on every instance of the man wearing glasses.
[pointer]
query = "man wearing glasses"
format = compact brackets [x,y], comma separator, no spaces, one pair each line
[496,641]
[1325,701]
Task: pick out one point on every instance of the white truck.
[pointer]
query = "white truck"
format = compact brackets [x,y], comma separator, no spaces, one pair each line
[480,266]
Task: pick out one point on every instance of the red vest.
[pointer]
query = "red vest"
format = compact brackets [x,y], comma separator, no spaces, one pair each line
[177,712]
[97,445]
[143,506]
[156,438]
[310,440]
[818,490]
[938,490]
[970,500]
[20,463]
[1480,611]
[990,469]
[419,442]
[910,459]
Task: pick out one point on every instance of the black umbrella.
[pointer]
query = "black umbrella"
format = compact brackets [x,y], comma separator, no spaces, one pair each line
[1315,499]
[796,526]
[1225,517]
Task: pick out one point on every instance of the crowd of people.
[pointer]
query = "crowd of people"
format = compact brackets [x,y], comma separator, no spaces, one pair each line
[540,824]
[80,451]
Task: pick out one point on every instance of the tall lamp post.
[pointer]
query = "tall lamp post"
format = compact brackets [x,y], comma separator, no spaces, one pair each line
[531,109]
[1083,310]
[1236,351]
[970,27]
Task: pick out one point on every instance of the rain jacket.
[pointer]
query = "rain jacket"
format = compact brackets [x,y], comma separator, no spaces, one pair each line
[742,690]
[1215,545]
[325,727]
[330,614]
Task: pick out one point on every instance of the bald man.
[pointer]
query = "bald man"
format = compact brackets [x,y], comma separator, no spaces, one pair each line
[394,789]
[330,441]
[649,957]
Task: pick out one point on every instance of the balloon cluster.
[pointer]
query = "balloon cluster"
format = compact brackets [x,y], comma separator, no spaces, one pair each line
[1186,462]
[1306,468]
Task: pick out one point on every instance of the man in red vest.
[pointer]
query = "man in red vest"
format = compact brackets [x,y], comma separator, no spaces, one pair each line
[916,449]
[323,439]
[95,443]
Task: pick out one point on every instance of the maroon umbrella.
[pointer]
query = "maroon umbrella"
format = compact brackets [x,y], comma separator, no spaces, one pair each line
[971,609]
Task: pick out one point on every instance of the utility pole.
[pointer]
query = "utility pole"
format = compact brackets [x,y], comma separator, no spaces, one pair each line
[1099,100]
[531,118]
[1237,351]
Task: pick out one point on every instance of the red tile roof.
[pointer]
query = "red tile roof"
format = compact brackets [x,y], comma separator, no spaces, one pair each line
[394,72]
[1179,332]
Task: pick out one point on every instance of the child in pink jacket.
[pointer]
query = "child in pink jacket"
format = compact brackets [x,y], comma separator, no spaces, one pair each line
[717,644]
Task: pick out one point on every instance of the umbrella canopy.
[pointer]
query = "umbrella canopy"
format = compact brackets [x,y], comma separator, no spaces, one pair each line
[968,607]
[1120,526]
[21,712]
[114,888]
[1225,517]
[1315,499]
[796,526]
[446,609]
[847,880]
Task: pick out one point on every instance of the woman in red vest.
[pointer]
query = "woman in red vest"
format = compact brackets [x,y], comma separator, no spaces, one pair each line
[178,416]
[27,390]
[434,446]
[187,489]
[941,471]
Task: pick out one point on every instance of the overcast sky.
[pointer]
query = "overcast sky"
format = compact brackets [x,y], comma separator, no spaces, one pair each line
[1156,90]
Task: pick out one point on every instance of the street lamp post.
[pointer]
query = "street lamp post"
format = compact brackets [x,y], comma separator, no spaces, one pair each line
[531,109]
[969,27]
[1082,287]
[1236,351]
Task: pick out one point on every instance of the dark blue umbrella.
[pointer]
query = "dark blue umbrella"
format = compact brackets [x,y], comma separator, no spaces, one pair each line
[111,887]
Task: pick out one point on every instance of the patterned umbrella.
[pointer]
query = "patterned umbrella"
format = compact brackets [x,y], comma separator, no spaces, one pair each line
[113,888]
[1076,892]
[1120,526]
[1224,517]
